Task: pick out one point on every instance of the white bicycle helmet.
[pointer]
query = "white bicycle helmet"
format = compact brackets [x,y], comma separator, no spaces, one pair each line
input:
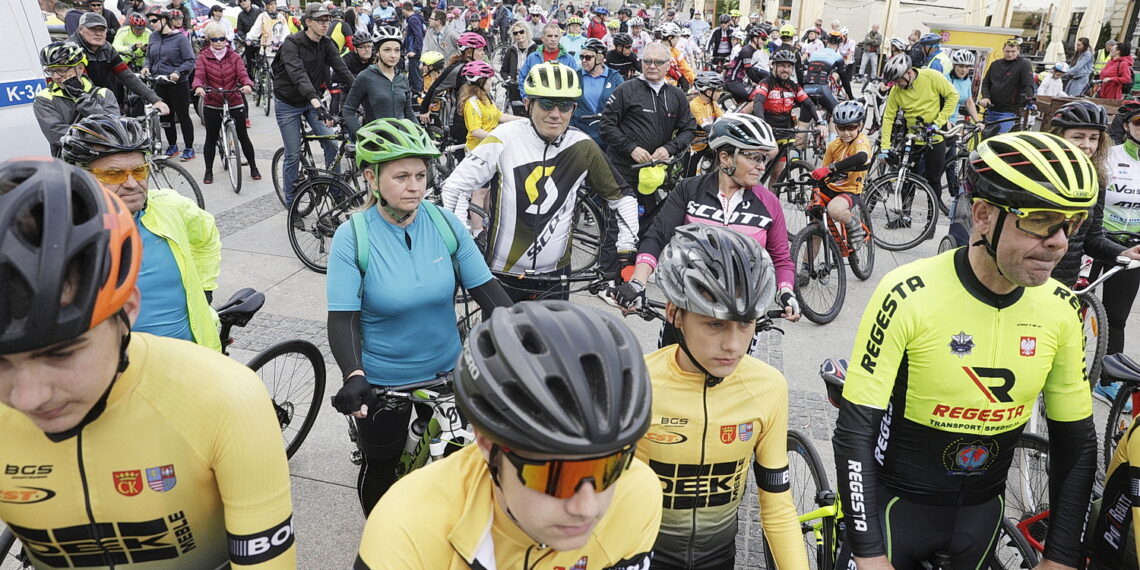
[535,10]
[1061,67]
[706,80]
[669,30]
[387,34]
[741,131]
[740,35]
[963,57]
[898,43]
[638,22]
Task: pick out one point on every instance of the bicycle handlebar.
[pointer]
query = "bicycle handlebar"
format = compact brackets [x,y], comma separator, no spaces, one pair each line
[1123,263]
[658,162]
[405,391]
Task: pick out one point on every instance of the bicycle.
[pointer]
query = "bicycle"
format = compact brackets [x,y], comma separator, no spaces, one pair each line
[228,149]
[818,252]
[307,166]
[901,201]
[165,172]
[293,371]
[320,205]
[1093,315]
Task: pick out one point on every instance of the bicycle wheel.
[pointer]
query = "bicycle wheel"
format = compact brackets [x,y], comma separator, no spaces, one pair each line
[808,479]
[1012,551]
[165,173]
[946,244]
[821,281]
[294,373]
[268,93]
[1095,320]
[1118,421]
[231,155]
[1027,482]
[795,195]
[587,233]
[862,257]
[904,212]
[319,207]
[467,313]
[278,174]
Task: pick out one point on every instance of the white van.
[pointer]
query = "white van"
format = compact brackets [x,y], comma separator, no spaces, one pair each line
[23,33]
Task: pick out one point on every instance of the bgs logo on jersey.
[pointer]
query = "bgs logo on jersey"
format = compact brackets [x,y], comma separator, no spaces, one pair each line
[969,457]
[162,478]
[961,344]
[1028,345]
[128,483]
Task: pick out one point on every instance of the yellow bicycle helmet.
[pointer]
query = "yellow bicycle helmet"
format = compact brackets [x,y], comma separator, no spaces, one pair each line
[787,31]
[553,81]
[430,58]
[1033,170]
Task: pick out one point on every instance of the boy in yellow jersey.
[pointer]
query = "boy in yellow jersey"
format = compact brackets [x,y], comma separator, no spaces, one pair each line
[705,110]
[715,407]
[849,154]
[559,397]
[431,65]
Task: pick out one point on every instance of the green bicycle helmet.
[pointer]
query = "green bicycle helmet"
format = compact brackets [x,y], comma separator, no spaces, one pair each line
[62,54]
[385,140]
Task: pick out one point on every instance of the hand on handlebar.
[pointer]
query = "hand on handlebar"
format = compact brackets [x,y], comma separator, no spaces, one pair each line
[200,92]
[820,173]
[790,304]
[660,154]
[630,295]
[163,108]
[355,397]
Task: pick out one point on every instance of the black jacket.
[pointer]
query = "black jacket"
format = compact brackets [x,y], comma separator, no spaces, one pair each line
[245,20]
[106,68]
[1089,240]
[635,116]
[1008,85]
[301,69]
[627,65]
[354,64]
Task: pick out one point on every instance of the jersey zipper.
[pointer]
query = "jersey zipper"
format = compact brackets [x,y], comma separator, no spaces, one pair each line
[87,499]
[700,465]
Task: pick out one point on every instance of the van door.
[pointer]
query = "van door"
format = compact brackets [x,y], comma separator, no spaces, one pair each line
[24,34]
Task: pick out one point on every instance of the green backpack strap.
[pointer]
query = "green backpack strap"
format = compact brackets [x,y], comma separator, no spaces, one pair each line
[360,230]
[448,233]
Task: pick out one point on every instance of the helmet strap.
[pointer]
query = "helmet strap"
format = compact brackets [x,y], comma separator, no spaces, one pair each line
[710,380]
[729,170]
[991,245]
[397,215]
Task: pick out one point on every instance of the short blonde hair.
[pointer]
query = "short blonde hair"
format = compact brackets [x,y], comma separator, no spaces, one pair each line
[214,29]
[519,26]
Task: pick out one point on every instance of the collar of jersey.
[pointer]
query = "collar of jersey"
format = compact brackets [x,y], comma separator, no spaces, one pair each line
[696,378]
[975,287]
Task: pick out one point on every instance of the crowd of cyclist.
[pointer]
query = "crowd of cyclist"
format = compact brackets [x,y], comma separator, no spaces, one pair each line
[585,448]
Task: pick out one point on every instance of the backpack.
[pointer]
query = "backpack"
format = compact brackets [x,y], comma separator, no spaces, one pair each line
[360,230]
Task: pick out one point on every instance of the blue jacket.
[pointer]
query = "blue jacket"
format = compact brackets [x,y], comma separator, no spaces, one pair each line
[586,107]
[414,34]
[535,58]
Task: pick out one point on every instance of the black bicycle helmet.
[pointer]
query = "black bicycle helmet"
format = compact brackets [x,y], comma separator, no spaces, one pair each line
[1128,110]
[60,231]
[1081,114]
[62,54]
[595,45]
[623,40]
[849,112]
[101,135]
[783,56]
[716,272]
[361,38]
[554,377]
[706,80]
[756,30]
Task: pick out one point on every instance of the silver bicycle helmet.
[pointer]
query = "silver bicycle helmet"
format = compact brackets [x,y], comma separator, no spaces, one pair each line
[963,57]
[742,131]
[554,377]
[716,272]
[387,34]
[896,67]
[708,80]
[849,112]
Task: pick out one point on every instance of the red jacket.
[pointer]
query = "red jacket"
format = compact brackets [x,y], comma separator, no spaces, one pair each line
[596,29]
[1117,77]
[226,73]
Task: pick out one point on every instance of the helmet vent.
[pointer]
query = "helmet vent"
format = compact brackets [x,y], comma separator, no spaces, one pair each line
[559,391]
[485,344]
[18,296]
[531,341]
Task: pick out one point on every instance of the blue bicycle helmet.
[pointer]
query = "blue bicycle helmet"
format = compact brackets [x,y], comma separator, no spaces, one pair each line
[929,39]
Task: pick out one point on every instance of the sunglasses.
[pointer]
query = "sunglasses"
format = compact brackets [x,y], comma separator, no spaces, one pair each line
[119,176]
[153,20]
[757,157]
[518,32]
[561,478]
[655,62]
[549,105]
[1043,223]
[1135,120]
[851,127]
[587,57]
[221,39]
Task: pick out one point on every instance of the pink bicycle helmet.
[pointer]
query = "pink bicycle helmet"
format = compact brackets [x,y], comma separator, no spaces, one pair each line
[471,40]
[475,70]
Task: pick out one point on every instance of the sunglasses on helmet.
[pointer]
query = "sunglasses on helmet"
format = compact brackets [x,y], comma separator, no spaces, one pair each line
[561,478]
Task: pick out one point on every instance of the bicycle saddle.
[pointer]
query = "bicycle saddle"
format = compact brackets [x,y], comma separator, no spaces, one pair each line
[1120,368]
[241,306]
[834,373]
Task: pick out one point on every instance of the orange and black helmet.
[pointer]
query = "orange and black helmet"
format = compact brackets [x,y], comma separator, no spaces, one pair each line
[69,253]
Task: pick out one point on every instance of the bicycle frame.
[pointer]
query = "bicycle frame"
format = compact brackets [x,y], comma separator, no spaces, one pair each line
[838,231]
[445,420]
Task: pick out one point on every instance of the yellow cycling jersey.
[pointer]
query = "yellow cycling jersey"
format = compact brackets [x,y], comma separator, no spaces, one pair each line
[1111,542]
[184,468]
[705,112]
[838,150]
[445,516]
[700,442]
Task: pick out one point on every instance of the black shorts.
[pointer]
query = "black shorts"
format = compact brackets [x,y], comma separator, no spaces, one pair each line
[852,199]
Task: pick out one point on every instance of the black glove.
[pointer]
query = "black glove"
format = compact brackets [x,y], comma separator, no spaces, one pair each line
[323,114]
[356,391]
[626,258]
[73,87]
[630,295]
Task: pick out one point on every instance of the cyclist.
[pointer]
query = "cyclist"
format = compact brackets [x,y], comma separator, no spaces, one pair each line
[381,90]
[821,70]
[131,42]
[393,322]
[533,492]
[598,82]
[919,94]
[679,72]
[472,48]
[535,186]
[1007,88]
[513,57]
[69,94]
[114,411]
[730,195]
[934,56]
[717,283]
[183,254]
[271,28]
[750,66]
[548,51]
[480,114]
[220,67]
[246,20]
[573,41]
[622,58]
[431,66]
[706,111]
[776,96]
[105,67]
[1114,523]
[641,38]
[361,55]
[720,42]
[962,80]
[301,68]
[169,53]
[849,154]
[949,359]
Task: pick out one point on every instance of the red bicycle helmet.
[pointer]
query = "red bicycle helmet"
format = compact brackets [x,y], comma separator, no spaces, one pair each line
[60,233]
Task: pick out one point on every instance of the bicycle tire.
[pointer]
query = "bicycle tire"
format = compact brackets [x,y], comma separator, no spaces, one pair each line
[268,95]
[285,393]
[587,234]
[862,257]
[278,175]
[467,313]
[1027,481]
[895,216]
[946,244]
[821,556]
[1117,422]
[795,195]
[1094,320]
[815,276]
[1012,551]
[165,173]
[319,206]
[233,156]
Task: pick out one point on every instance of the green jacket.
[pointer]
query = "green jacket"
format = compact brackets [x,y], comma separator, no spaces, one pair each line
[197,246]
[125,41]
[931,97]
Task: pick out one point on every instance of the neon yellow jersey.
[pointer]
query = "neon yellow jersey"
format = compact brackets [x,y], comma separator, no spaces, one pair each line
[700,443]
[930,97]
[1112,543]
[185,468]
[445,516]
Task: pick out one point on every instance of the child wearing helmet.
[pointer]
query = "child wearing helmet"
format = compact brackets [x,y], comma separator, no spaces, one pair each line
[431,66]
[480,115]
[1052,84]
[709,86]
[844,166]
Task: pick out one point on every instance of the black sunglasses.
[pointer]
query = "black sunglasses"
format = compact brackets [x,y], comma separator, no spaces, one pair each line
[549,105]
[518,32]
[221,39]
